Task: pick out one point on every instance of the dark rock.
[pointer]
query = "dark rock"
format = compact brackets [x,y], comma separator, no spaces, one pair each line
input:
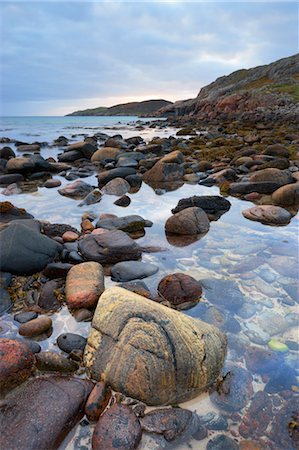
[222,442]
[5,279]
[262,187]
[57,270]
[24,250]
[5,301]
[132,270]
[83,315]
[189,221]
[32,345]
[77,190]
[277,150]
[24,317]
[120,172]
[284,429]
[16,364]
[57,229]
[123,201]
[109,247]
[28,148]
[135,181]
[40,413]
[52,183]
[117,186]
[10,212]
[256,420]
[117,428]
[180,290]
[287,195]
[93,197]
[10,178]
[35,327]
[268,215]
[54,362]
[126,223]
[97,401]
[48,300]
[139,287]
[70,341]
[6,153]
[213,205]
[224,293]
[239,392]
[214,422]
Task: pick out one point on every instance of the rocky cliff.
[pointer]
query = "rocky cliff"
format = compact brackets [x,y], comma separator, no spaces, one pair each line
[270,91]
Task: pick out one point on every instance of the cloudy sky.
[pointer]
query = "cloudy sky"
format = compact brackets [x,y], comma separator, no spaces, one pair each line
[57,57]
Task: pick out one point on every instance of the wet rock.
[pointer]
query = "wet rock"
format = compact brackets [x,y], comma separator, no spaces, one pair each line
[54,362]
[256,420]
[135,181]
[271,322]
[84,149]
[213,205]
[5,180]
[117,428]
[284,265]
[16,364]
[5,279]
[83,315]
[109,247]
[284,429]
[12,189]
[48,300]
[57,270]
[42,411]
[132,270]
[144,349]
[189,221]
[32,345]
[105,153]
[222,442]
[24,317]
[77,190]
[139,287]
[282,379]
[270,175]
[97,401]
[52,183]
[25,251]
[268,215]
[287,195]
[9,212]
[6,153]
[57,229]
[212,421]
[129,224]
[238,393]
[84,285]
[120,172]
[28,148]
[164,172]
[5,301]
[35,327]
[70,236]
[93,197]
[261,187]
[123,201]
[70,341]
[180,290]
[224,293]
[117,186]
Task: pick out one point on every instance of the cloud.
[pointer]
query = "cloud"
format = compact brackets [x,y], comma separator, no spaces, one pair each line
[84,54]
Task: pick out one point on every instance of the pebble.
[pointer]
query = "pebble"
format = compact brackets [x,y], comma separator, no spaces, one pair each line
[70,341]
[97,401]
[25,316]
[35,327]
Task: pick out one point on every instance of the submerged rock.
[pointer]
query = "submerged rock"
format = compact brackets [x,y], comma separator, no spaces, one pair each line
[84,285]
[40,413]
[150,352]
[132,270]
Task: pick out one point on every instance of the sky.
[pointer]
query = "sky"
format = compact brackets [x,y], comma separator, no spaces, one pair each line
[57,57]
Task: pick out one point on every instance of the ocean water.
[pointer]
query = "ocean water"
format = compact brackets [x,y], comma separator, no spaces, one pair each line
[254,262]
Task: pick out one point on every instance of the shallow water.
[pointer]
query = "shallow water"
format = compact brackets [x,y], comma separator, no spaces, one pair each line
[223,255]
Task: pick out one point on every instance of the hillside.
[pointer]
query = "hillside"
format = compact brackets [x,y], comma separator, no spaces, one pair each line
[271,90]
[144,108]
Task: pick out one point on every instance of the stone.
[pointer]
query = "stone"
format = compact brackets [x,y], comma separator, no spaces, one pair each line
[222,442]
[109,247]
[86,149]
[77,190]
[97,401]
[52,183]
[9,212]
[70,341]
[48,297]
[287,195]
[35,327]
[120,172]
[84,285]
[12,189]
[203,166]
[246,187]
[256,420]
[93,197]
[24,317]
[132,270]
[268,215]
[175,157]
[163,172]
[271,174]
[105,153]
[5,301]
[28,148]
[6,153]
[57,270]
[213,205]
[16,364]
[277,150]
[239,392]
[117,428]
[260,360]
[180,290]
[54,362]
[189,221]
[41,412]
[150,352]
[25,251]
[124,201]
[70,236]
[129,224]
[10,178]
[57,229]
[117,186]
[224,293]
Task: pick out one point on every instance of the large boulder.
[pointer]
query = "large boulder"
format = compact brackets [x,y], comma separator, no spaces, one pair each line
[105,153]
[9,212]
[164,171]
[189,221]
[213,205]
[287,195]
[7,179]
[268,215]
[84,285]
[271,175]
[150,352]
[246,187]
[24,250]
[86,149]
[109,247]
[41,412]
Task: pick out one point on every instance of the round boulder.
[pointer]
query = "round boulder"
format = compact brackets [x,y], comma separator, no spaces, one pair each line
[271,175]
[84,285]
[188,222]
[287,195]
[268,214]
[180,290]
[150,352]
